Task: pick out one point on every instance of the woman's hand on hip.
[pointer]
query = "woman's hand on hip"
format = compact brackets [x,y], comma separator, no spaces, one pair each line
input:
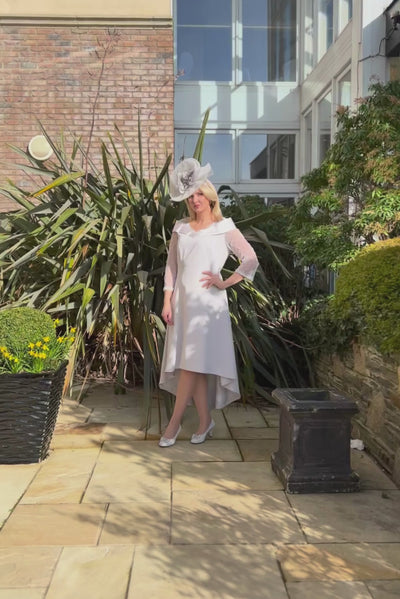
[166,314]
[212,280]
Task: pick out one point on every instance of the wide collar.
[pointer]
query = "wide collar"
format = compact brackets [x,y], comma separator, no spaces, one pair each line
[182,227]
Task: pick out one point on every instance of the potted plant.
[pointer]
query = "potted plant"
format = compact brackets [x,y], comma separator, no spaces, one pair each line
[33,362]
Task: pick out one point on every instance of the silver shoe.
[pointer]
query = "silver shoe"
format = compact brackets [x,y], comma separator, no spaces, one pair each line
[201,438]
[165,442]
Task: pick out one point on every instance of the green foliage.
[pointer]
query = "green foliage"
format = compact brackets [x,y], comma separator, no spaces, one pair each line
[365,307]
[28,341]
[368,293]
[20,326]
[91,249]
[355,194]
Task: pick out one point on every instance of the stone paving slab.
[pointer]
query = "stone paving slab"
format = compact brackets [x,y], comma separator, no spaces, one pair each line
[27,566]
[14,479]
[238,415]
[183,451]
[92,572]
[206,572]
[257,450]
[63,477]
[328,590]
[224,476]
[120,478]
[340,561]
[387,589]
[371,475]
[206,518]
[255,433]
[124,415]
[139,523]
[60,524]
[349,517]
[22,593]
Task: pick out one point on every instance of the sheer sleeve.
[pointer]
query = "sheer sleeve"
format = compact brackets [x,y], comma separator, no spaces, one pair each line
[172,264]
[238,245]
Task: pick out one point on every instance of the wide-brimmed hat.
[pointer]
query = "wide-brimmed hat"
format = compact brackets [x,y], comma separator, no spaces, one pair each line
[187,177]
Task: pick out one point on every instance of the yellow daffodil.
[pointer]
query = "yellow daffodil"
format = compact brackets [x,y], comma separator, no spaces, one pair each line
[45,348]
[60,339]
[73,330]
[42,355]
[72,339]
[31,345]
[38,344]
[31,353]
[56,322]
[46,339]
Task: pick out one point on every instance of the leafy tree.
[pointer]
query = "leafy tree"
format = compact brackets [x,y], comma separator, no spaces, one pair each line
[353,198]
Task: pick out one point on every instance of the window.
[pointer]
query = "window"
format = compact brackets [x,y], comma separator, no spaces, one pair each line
[308,58]
[258,45]
[325,26]
[308,143]
[344,91]
[269,40]
[262,155]
[217,150]
[204,40]
[345,13]
[324,117]
[267,156]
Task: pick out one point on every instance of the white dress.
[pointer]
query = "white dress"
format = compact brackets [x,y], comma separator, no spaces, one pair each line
[200,339]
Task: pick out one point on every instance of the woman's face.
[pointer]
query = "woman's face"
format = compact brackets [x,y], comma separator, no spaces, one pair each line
[199,203]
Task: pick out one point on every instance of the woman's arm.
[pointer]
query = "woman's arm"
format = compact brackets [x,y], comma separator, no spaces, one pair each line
[237,245]
[171,269]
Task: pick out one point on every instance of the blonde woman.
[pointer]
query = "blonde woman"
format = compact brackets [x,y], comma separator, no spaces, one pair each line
[199,361]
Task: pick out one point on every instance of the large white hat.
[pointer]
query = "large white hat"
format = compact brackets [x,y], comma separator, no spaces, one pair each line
[187,177]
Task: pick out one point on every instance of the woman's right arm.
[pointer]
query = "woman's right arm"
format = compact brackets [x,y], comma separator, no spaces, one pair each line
[169,279]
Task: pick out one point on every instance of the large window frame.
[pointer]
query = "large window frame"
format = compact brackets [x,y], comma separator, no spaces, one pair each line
[237,52]
[236,153]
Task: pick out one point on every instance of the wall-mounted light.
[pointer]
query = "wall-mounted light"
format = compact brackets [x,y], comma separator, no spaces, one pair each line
[39,148]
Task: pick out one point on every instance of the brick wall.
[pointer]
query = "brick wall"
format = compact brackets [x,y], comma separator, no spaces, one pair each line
[51,73]
[374,383]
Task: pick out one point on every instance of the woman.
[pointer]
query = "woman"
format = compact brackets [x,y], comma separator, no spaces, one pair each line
[199,361]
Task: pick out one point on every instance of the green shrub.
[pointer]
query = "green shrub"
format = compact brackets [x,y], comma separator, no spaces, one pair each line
[21,326]
[368,294]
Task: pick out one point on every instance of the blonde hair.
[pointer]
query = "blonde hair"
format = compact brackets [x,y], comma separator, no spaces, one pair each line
[210,193]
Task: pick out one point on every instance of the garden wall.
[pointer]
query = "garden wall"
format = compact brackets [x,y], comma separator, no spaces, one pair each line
[374,383]
[52,73]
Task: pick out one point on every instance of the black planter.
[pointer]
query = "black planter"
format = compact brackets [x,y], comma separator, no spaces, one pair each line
[314,441]
[29,405]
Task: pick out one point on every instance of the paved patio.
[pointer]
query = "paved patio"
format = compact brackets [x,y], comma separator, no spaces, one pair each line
[110,515]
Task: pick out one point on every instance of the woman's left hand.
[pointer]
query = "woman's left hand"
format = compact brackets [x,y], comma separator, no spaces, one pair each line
[212,280]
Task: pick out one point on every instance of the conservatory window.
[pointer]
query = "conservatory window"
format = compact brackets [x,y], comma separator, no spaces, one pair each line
[269,40]
[217,150]
[344,95]
[345,13]
[325,26]
[204,40]
[324,117]
[267,156]
[308,143]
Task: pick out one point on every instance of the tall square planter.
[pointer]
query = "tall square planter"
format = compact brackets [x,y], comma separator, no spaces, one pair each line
[314,441]
[29,405]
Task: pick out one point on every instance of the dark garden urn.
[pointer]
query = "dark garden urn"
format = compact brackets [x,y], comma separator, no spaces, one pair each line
[314,441]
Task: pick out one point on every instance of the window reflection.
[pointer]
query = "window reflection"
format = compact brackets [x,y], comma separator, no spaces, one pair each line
[325,26]
[217,150]
[324,114]
[345,90]
[269,40]
[308,142]
[267,156]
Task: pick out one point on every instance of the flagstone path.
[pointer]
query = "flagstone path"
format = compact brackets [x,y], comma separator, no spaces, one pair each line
[110,515]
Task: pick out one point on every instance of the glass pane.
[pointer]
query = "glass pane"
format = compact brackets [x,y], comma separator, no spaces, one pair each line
[204,12]
[254,55]
[205,54]
[308,38]
[269,47]
[325,26]
[345,90]
[345,13]
[267,156]
[217,150]
[254,12]
[325,114]
[308,142]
